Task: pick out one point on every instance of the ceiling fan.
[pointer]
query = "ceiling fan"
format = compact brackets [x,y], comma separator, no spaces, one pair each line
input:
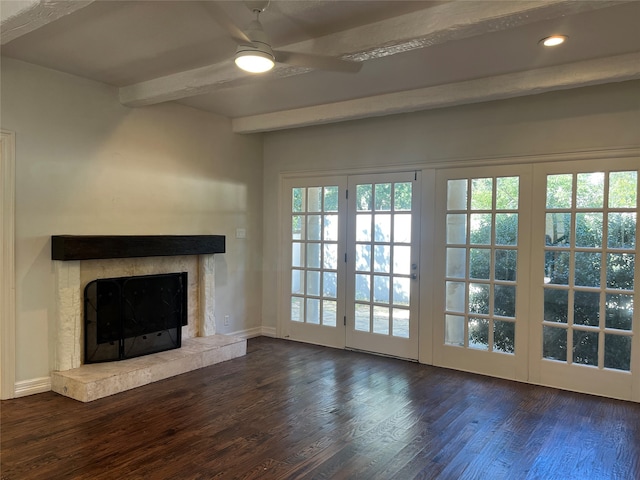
[254,53]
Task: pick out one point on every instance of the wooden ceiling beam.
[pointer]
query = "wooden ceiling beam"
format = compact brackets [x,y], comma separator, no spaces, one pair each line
[18,18]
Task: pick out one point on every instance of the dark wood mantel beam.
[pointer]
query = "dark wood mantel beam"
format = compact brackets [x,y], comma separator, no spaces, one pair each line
[91,247]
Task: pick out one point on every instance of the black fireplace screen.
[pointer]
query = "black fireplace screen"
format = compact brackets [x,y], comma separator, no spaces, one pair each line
[132,316]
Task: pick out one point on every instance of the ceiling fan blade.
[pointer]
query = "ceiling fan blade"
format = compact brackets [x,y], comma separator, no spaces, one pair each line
[225,21]
[319,62]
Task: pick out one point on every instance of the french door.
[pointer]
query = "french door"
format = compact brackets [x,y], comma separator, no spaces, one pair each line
[535,274]
[482,270]
[584,332]
[382,264]
[351,272]
[314,233]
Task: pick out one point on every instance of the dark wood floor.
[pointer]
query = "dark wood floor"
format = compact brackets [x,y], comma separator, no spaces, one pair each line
[290,410]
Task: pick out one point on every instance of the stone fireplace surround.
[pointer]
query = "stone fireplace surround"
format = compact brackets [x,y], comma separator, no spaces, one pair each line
[79,259]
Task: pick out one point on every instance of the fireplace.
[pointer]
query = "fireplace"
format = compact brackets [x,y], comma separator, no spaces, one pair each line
[128,317]
[80,260]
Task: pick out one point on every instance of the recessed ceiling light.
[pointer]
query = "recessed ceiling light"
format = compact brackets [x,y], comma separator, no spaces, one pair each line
[553,40]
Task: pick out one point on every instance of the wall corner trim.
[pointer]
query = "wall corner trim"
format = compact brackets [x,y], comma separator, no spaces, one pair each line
[7,266]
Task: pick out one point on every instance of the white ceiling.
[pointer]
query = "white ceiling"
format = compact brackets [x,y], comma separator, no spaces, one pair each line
[415,54]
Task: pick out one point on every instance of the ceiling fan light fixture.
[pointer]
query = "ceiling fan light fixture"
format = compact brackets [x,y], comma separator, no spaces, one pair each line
[254,59]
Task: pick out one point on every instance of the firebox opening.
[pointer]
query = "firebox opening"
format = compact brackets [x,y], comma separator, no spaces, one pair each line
[129,317]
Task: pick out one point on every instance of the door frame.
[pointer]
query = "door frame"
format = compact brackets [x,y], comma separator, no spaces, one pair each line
[7,266]
[428,231]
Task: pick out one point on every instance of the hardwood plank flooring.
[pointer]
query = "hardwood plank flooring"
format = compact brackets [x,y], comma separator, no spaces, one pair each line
[289,410]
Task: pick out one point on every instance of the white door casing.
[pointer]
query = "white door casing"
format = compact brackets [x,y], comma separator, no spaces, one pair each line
[7,266]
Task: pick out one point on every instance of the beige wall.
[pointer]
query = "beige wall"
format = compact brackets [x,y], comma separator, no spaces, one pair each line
[87,165]
[566,121]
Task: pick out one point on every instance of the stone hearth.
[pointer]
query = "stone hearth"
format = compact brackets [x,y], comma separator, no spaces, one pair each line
[98,380]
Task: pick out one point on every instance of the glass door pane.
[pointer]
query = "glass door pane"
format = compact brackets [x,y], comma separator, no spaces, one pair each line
[589,268]
[314,230]
[314,261]
[481,263]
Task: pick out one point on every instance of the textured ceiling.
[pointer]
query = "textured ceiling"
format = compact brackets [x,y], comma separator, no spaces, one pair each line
[157,51]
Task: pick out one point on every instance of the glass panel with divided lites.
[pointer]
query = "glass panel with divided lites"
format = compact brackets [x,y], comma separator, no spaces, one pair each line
[314,255]
[383,258]
[589,268]
[480,265]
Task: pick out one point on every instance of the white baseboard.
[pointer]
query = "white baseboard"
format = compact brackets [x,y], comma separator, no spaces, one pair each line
[254,332]
[33,386]
[247,333]
[269,332]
